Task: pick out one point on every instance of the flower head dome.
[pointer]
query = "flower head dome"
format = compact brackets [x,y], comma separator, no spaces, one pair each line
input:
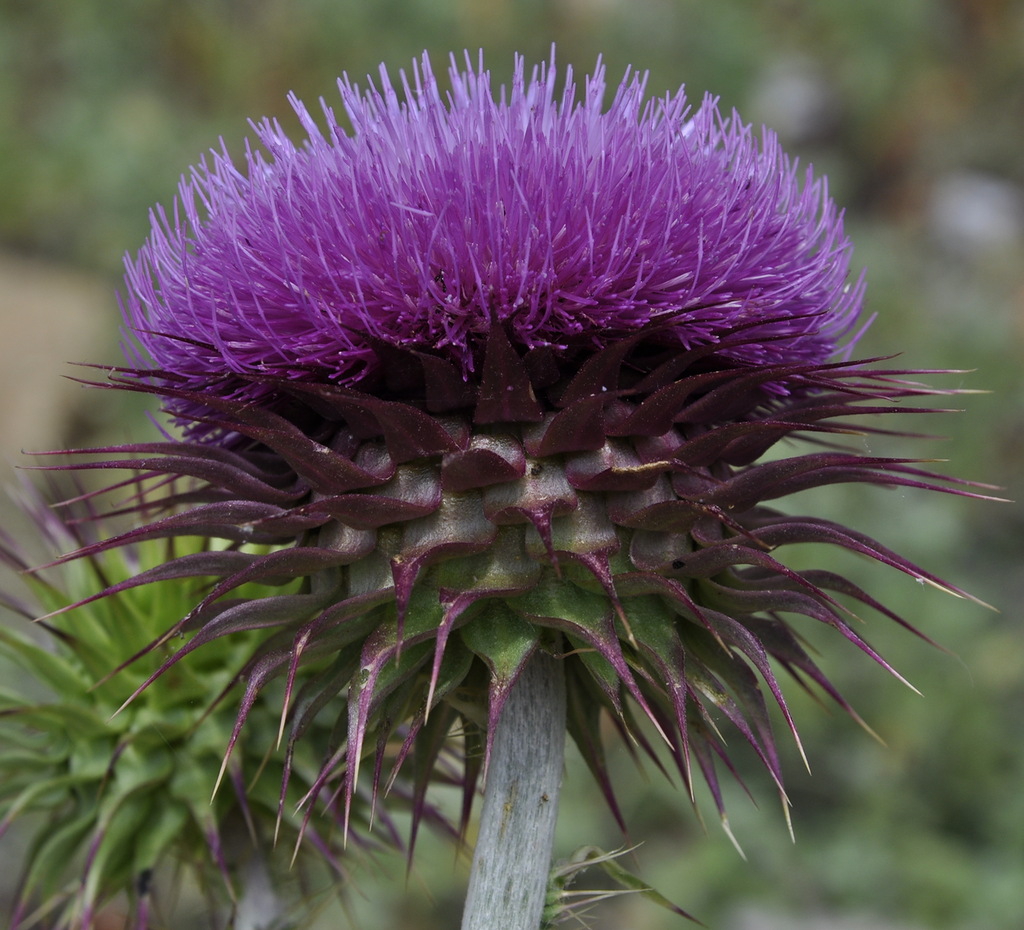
[566,224]
[503,374]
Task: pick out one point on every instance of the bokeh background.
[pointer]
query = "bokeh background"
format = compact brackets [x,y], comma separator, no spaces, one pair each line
[914,109]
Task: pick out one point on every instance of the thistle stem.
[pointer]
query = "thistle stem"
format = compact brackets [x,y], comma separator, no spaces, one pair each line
[512,859]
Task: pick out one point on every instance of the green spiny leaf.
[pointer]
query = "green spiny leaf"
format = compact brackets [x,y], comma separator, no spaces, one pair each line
[55,671]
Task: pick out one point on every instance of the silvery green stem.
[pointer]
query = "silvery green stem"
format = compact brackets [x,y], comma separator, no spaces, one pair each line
[512,859]
[260,908]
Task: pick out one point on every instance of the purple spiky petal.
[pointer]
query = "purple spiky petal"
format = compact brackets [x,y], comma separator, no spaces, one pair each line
[566,224]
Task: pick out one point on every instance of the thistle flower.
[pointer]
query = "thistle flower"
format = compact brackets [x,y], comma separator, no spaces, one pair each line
[493,376]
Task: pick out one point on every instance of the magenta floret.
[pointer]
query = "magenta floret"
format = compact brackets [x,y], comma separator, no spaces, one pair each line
[570,224]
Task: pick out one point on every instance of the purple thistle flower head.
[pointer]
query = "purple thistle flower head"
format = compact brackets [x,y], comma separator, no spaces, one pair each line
[497,375]
[569,224]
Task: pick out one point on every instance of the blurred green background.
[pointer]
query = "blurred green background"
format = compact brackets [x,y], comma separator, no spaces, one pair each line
[915,110]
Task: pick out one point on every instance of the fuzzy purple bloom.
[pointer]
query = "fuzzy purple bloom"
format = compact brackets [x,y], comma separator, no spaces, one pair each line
[570,225]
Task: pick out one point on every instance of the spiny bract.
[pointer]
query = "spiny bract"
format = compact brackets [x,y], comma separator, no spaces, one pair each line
[499,375]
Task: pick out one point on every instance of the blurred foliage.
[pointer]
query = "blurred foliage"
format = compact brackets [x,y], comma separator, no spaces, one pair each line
[915,109]
[117,796]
